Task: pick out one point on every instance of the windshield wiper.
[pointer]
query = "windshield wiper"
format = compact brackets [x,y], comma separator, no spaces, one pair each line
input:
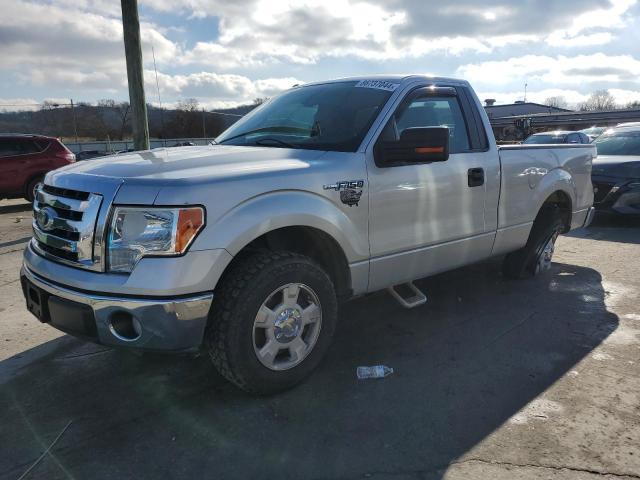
[274,129]
[270,141]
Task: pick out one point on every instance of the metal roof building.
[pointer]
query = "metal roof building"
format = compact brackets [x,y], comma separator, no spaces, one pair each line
[512,125]
[519,108]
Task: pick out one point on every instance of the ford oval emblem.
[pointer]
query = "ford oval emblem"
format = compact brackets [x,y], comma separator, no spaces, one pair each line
[46,217]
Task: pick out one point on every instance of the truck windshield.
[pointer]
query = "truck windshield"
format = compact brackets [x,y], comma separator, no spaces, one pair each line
[545,139]
[332,116]
[619,143]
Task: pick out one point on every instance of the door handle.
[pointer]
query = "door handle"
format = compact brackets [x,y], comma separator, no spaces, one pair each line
[475,177]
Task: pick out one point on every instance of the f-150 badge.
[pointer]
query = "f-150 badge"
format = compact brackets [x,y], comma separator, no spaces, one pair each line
[350,191]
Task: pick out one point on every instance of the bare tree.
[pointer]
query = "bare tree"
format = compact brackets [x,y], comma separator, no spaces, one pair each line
[107,102]
[598,101]
[556,102]
[633,105]
[188,105]
[122,109]
[259,100]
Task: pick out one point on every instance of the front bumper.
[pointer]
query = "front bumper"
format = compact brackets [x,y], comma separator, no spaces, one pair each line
[589,218]
[617,196]
[174,324]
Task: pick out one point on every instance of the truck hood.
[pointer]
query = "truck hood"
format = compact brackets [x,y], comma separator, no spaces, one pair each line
[618,166]
[166,166]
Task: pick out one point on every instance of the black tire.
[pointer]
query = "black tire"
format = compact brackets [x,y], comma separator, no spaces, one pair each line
[229,337]
[522,263]
[29,191]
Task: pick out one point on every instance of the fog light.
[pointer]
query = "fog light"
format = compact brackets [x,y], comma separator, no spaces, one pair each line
[124,326]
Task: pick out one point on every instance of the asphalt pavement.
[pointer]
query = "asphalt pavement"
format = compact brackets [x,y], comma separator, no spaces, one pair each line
[494,379]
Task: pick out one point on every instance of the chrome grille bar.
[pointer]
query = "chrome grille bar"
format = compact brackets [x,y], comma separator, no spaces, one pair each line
[54,241]
[61,202]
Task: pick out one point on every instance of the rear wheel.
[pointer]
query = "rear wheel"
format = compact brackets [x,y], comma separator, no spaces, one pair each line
[31,188]
[272,321]
[535,257]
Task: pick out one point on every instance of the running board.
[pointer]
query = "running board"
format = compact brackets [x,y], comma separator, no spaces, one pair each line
[411,301]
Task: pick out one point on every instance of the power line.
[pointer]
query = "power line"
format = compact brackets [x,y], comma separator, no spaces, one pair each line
[34,104]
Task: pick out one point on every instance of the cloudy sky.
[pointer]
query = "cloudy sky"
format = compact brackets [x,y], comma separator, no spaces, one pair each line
[226,53]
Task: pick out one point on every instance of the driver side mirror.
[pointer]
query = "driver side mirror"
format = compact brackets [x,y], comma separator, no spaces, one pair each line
[416,145]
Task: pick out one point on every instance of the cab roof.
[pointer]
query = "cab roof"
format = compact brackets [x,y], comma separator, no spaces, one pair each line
[398,78]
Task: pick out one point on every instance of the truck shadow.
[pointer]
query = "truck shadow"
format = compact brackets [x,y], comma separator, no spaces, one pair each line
[468,361]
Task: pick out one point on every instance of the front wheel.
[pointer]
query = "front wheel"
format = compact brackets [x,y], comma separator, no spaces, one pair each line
[272,321]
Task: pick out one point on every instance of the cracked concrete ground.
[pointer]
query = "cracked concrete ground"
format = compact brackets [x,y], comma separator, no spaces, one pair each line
[493,379]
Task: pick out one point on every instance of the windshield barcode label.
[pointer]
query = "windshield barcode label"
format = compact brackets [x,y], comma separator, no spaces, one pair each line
[379,84]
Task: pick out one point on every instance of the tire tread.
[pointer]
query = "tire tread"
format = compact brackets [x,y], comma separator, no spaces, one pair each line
[226,299]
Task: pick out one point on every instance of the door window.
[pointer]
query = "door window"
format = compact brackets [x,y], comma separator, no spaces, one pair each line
[431,112]
[30,146]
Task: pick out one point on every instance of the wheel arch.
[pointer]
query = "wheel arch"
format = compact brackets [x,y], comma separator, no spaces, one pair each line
[311,242]
[300,222]
[557,188]
[562,201]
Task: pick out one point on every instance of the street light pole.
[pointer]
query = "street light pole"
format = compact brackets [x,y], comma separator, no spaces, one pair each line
[133,53]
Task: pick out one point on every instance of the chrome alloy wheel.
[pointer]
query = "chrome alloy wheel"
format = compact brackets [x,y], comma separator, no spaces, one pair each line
[546,254]
[287,326]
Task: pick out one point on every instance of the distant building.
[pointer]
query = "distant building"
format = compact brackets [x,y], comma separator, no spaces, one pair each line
[510,128]
[518,108]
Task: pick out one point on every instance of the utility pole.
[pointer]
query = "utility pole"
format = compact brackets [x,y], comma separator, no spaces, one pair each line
[75,123]
[133,53]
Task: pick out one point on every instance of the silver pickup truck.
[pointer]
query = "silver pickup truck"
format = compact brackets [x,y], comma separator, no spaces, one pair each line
[328,191]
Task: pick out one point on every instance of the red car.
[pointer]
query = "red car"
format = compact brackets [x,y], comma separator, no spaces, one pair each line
[24,161]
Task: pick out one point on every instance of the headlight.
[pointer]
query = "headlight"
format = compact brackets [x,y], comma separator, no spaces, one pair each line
[137,232]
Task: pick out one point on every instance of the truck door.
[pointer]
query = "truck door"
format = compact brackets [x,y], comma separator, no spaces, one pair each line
[430,217]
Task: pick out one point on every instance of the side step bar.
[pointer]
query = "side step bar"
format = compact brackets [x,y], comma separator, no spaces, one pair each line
[410,301]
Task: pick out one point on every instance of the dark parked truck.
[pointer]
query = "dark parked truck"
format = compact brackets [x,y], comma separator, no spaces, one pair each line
[328,191]
[616,172]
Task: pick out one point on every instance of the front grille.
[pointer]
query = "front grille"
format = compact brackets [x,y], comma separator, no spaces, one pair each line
[601,190]
[64,225]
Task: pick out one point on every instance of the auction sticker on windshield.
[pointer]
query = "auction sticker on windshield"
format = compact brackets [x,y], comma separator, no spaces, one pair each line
[379,84]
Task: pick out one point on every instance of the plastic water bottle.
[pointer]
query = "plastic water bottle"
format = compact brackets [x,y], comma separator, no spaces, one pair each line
[377,371]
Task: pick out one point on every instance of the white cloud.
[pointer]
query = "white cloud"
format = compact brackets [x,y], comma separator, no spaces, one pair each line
[64,45]
[573,97]
[561,69]
[215,90]
[75,47]
[255,33]
[18,104]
